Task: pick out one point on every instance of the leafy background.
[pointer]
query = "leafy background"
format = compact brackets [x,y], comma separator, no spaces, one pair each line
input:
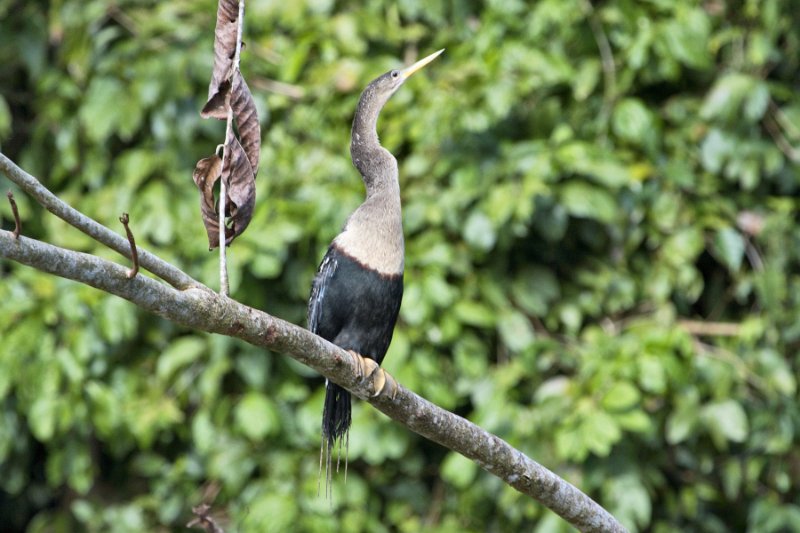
[579,181]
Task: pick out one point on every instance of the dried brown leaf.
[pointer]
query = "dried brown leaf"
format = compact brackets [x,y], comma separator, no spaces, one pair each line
[217,106]
[224,44]
[241,188]
[244,111]
[228,93]
[205,176]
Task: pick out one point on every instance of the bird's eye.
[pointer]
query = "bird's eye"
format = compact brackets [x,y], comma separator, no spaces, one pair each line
[395,73]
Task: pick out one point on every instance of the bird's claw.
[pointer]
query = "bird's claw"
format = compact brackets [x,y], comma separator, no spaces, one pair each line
[383,382]
[360,364]
[368,368]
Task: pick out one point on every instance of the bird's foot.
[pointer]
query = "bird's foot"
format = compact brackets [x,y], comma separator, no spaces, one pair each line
[362,368]
[382,381]
[385,384]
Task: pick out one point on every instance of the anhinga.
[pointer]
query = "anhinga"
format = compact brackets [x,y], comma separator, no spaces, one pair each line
[357,291]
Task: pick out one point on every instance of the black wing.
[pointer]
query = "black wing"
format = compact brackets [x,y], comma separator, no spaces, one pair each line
[321,282]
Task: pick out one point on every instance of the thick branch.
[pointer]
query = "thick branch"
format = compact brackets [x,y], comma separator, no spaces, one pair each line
[169,273]
[202,309]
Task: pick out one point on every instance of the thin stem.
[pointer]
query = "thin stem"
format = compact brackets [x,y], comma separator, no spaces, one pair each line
[713,329]
[15,212]
[134,254]
[606,61]
[203,519]
[239,31]
[783,144]
[224,285]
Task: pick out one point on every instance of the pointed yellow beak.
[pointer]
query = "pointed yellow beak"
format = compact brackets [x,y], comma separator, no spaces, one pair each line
[408,71]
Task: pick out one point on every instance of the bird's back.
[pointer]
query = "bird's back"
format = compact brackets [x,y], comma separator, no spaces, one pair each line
[353,306]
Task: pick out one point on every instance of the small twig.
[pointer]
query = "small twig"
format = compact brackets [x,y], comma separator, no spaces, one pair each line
[711,329]
[607,63]
[17,224]
[295,92]
[729,358]
[224,287]
[204,519]
[123,19]
[753,256]
[781,118]
[134,254]
[783,144]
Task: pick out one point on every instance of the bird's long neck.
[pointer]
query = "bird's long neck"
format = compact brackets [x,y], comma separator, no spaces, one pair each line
[373,234]
[377,166]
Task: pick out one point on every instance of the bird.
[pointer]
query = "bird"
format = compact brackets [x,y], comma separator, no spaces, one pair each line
[356,293]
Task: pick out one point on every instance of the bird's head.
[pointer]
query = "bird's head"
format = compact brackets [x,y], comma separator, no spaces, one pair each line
[369,157]
[385,86]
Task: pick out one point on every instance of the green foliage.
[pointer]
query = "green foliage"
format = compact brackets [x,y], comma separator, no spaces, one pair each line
[578,181]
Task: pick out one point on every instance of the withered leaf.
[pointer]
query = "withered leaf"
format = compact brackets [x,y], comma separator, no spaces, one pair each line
[241,188]
[228,93]
[217,107]
[205,176]
[224,44]
[244,111]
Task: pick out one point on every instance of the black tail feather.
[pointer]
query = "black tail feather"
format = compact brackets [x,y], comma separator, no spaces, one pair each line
[335,413]
[335,430]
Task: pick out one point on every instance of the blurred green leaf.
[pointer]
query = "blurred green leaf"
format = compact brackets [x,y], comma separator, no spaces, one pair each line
[687,37]
[515,330]
[715,150]
[256,416]
[602,167]
[478,231]
[43,418]
[635,421]
[634,123]
[535,288]
[726,420]
[180,353]
[729,246]
[736,93]
[621,396]
[631,501]
[682,421]
[587,201]
[602,432]
[458,470]
[5,118]
[105,109]
[726,97]
[474,313]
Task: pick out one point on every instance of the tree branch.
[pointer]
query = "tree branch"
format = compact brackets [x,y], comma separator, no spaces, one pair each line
[169,273]
[200,308]
[196,306]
